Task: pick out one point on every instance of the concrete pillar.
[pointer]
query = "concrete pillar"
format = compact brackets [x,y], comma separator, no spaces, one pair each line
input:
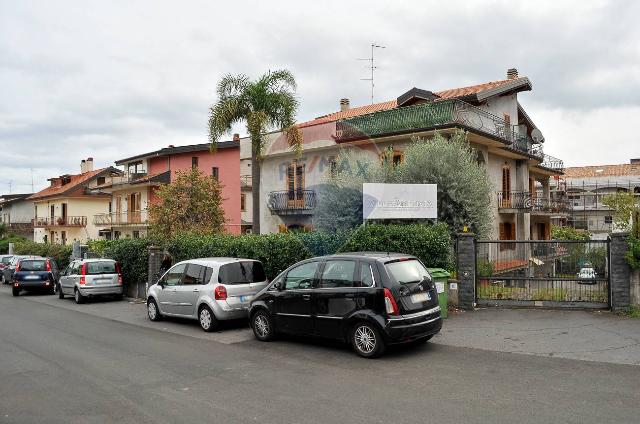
[466,271]
[155,260]
[620,272]
[10,249]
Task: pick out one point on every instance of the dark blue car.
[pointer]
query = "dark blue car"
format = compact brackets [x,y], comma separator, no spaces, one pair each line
[35,274]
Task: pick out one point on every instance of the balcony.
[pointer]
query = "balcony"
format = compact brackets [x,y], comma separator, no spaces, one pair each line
[246,182]
[553,163]
[292,202]
[514,200]
[545,206]
[60,221]
[122,219]
[439,114]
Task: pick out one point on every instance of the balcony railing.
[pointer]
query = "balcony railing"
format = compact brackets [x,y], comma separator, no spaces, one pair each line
[60,221]
[514,200]
[546,205]
[433,116]
[292,201]
[130,218]
[554,163]
[246,181]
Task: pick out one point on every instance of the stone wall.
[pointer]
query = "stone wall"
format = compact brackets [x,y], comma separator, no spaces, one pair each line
[620,273]
[635,287]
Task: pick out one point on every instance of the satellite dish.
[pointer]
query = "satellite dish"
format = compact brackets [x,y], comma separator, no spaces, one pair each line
[536,135]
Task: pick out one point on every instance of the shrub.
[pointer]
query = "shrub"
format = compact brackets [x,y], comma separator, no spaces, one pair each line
[61,253]
[633,254]
[430,243]
[320,243]
[4,242]
[569,233]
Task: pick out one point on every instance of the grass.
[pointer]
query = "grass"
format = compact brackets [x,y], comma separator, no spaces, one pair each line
[631,312]
[497,292]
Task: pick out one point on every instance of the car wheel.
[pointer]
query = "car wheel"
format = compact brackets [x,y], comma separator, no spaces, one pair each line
[262,326]
[2,278]
[152,310]
[15,291]
[207,319]
[78,297]
[366,340]
[59,290]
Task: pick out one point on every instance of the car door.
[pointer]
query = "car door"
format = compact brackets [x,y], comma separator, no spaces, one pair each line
[187,294]
[293,301]
[67,283]
[168,288]
[336,296]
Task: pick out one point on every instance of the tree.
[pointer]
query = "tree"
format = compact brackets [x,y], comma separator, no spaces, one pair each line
[190,203]
[569,233]
[626,207]
[265,104]
[464,191]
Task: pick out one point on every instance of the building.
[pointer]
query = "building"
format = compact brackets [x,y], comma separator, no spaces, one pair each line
[505,137]
[16,213]
[586,187]
[133,190]
[246,186]
[63,211]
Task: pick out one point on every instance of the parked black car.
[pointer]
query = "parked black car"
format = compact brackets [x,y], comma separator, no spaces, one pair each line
[35,273]
[370,300]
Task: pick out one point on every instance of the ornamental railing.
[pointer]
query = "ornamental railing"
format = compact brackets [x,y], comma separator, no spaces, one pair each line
[126,218]
[551,162]
[292,201]
[514,200]
[60,221]
[544,204]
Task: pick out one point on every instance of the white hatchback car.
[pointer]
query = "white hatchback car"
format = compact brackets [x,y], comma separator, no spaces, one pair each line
[206,289]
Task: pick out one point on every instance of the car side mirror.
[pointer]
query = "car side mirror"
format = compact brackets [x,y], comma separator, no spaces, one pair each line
[277,286]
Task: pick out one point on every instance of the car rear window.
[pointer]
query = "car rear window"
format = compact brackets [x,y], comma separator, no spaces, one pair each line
[102,267]
[6,260]
[407,271]
[241,273]
[33,265]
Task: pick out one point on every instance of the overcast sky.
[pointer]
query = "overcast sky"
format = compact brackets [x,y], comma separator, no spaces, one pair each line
[110,79]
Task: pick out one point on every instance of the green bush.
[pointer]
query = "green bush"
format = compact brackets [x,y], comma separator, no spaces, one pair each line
[61,253]
[11,238]
[133,256]
[430,243]
[633,254]
[569,233]
[320,243]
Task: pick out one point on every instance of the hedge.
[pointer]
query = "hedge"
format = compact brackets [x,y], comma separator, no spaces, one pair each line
[59,252]
[11,238]
[320,243]
[430,243]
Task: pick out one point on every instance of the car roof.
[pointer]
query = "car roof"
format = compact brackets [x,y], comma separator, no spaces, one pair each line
[96,260]
[216,261]
[381,256]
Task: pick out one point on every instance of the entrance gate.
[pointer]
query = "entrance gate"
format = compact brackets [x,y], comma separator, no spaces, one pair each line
[553,273]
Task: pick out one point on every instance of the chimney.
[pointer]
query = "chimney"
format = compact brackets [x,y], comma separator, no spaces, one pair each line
[512,73]
[83,166]
[236,137]
[89,165]
[344,105]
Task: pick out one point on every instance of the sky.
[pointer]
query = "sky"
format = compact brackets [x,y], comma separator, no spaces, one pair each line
[111,79]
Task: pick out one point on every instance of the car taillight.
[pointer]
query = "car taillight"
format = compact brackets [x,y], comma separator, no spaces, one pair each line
[119,271]
[390,303]
[83,272]
[17,267]
[220,293]
[48,265]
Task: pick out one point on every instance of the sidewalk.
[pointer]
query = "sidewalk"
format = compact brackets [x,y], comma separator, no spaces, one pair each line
[583,335]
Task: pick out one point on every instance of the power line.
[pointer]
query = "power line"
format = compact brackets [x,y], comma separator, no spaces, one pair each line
[373,68]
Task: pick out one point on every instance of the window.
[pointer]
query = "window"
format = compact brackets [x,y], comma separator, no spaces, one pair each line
[301,277]
[215,172]
[174,275]
[241,273]
[101,267]
[506,179]
[608,219]
[38,265]
[507,120]
[194,162]
[507,232]
[295,183]
[134,168]
[405,272]
[101,180]
[195,275]
[366,276]
[338,274]
[243,202]
[136,234]
[395,156]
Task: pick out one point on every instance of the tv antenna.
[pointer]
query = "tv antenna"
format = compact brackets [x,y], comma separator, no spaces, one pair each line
[373,67]
[10,184]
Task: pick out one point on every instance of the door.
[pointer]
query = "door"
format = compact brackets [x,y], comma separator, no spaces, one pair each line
[295,185]
[133,214]
[167,294]
[52,218]
[118,216]
[64,214]
[335,298]
[67,282]
[187,293]
[293,302]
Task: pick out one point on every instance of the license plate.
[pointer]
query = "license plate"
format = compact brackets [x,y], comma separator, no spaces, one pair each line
[420,297]
[245,298]
[32,277]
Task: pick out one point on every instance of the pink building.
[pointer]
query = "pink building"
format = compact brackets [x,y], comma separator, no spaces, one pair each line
[132,192]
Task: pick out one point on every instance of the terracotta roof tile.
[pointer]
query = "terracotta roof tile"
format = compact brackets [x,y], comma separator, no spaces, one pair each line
[602,171]
[76,181]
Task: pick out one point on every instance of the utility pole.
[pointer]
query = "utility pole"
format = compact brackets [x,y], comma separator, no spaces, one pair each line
[373,67]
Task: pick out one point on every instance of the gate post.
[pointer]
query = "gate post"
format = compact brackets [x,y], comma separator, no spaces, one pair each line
[155,260]
[619,272]
[466,271]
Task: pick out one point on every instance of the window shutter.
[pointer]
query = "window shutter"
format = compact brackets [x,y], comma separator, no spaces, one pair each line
[512,236]
[502,231]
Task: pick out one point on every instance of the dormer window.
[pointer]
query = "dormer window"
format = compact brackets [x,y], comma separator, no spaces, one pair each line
[65,180]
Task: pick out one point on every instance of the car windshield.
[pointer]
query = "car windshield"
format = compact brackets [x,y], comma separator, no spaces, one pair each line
[241,273]
[33,265]
[102,267]
[407,271]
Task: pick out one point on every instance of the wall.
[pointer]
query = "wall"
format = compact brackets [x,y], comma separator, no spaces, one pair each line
[80,206]
[18,212]
[635,287]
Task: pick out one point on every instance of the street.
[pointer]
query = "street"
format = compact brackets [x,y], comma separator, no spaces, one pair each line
[66,366]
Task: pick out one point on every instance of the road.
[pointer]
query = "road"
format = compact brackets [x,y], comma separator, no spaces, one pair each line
[65,366]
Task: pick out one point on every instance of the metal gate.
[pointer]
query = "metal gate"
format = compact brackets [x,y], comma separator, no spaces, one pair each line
[543,273]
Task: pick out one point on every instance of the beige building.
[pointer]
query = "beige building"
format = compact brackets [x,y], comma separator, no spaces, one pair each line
[63,211]
[507,141]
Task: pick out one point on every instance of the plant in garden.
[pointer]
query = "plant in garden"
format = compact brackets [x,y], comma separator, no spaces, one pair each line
[569,233]
[626,209]
[264,104]
[190,203]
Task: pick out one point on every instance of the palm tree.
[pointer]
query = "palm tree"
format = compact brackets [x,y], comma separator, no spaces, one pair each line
[267,104]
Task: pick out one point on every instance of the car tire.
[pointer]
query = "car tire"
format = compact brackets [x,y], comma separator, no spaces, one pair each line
[207,319]
[119,297]
[59,290]
[152,310]
[15,291]
[367,340]
[262,326]
[2,278]
[78,297]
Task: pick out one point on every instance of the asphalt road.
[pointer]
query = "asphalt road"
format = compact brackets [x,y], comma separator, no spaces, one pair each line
[61,365]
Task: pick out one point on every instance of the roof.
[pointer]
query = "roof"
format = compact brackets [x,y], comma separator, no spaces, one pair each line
[172,150]
[11,198]
[621,170]
[476,92]
[77,181]
[216,261]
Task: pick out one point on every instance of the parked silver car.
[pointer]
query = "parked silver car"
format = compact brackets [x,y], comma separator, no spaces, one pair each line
[90,277]
[10,268]
[207,289]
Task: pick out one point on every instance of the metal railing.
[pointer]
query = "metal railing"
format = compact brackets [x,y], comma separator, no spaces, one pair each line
[551,162]
[292,201]
[246,181]
[514,200]
[60,221]
[126,218]
[432,116]
[544,204]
